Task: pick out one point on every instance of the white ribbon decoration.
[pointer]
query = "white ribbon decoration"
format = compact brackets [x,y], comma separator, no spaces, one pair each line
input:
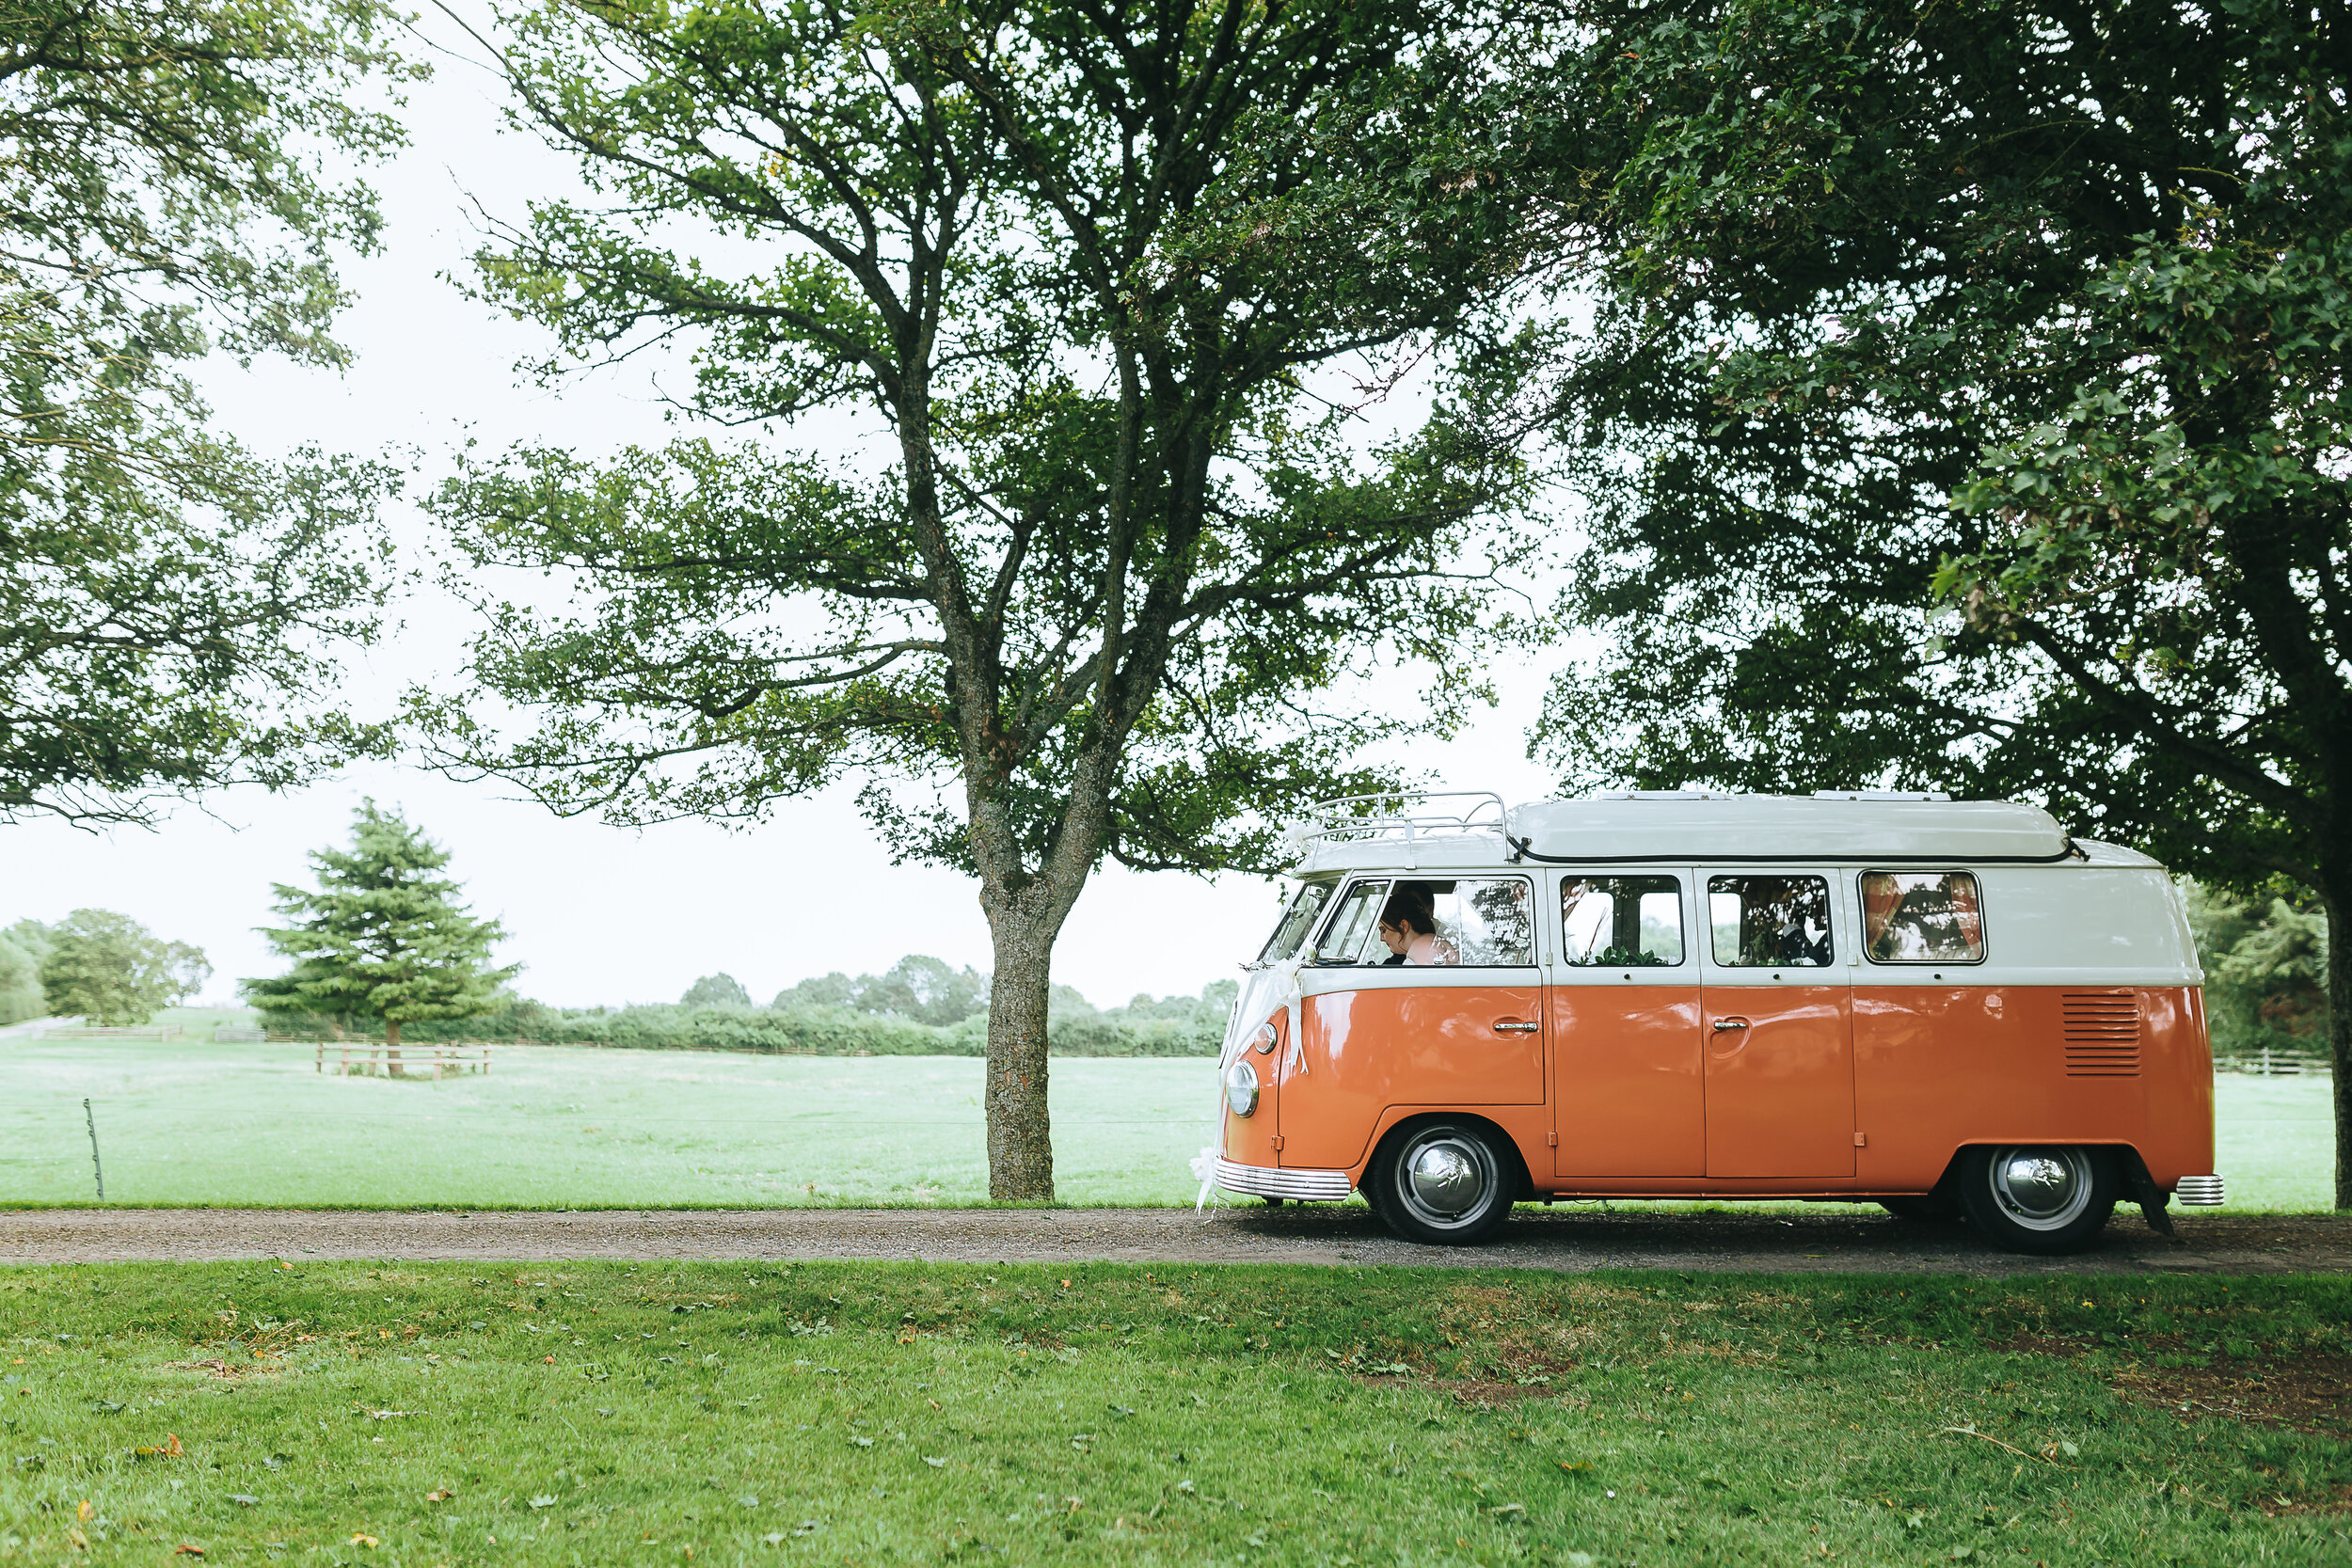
[1275,985]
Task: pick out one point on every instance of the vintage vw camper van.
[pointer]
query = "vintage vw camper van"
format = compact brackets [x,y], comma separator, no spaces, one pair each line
[1944,1006]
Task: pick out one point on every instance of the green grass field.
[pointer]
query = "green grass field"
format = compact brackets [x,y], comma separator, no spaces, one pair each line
[188,1121]
[879,1413]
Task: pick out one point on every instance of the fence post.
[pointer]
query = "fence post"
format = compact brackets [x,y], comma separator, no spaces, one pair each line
[89,1119]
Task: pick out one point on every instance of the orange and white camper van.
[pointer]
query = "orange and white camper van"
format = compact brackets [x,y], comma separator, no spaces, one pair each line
[1943,1007]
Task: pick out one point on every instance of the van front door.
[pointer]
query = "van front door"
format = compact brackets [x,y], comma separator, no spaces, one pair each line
[1443,1009]
[1777,1015]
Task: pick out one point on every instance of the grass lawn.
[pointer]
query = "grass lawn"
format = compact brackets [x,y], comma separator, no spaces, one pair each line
[188,1121]
[904,1413]
[567,1127]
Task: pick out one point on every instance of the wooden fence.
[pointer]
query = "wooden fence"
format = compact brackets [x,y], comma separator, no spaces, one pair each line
[369,1058]
[2272,1064]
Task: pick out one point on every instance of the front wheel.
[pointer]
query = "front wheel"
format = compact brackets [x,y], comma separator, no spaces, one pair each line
[1449,1181]
[2044,1200]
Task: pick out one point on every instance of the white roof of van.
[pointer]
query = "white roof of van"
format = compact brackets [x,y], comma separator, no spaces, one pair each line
[1720,827]
[1684,826]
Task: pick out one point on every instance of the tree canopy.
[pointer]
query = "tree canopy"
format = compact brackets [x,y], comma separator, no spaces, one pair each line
[1966,407]
[168,597]
[108,969]
[716,990]
[1108,287]
[382,937]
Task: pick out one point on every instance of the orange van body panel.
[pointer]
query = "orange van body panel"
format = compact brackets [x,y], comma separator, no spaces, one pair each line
[1629,1082]
[2179,1060]
[1779,1091]
[1370,1051]
[1643,1101]
[1938,1068]
[1249,1140]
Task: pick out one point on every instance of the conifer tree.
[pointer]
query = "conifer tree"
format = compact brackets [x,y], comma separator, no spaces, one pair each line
[384,937]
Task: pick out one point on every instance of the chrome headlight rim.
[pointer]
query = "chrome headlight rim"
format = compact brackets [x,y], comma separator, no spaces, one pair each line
[1241,1088]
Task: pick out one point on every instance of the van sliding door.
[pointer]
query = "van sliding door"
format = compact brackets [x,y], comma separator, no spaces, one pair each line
[1624,999]
[1778,1027]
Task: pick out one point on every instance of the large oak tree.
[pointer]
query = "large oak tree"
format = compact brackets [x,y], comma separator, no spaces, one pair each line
[1083,273]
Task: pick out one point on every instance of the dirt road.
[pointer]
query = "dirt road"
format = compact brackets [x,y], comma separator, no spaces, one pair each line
[1570,1241]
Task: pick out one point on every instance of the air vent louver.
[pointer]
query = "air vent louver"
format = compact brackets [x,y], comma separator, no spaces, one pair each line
[2102,1029]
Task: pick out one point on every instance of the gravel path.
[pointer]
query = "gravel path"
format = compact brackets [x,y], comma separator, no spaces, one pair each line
[1570,1241]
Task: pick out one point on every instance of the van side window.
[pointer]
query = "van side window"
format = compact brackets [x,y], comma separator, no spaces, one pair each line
[1490,920]
[1296,922]
[1922,917]
[1625,921]
[1479,922]
[1770,922]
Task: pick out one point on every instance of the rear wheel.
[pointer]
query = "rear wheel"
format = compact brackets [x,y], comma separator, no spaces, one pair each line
[1449,1179]
[2038,1198]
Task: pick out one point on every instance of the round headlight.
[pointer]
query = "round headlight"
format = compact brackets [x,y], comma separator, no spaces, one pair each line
[1241,1088]
[1264,1039]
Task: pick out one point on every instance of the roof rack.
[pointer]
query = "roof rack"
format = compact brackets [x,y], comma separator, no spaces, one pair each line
[1880,795]
[1406,815]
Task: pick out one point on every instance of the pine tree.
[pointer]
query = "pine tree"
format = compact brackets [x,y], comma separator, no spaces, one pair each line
[383,937]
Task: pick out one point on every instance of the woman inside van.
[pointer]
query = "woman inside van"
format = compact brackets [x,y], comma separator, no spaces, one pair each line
[1409,929]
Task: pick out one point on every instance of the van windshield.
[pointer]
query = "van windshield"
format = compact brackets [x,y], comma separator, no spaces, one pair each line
[1296,923]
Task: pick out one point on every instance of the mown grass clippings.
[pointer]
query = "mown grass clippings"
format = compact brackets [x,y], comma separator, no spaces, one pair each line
[610,1413]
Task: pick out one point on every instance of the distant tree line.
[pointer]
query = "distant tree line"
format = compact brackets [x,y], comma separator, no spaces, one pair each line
[919,1006]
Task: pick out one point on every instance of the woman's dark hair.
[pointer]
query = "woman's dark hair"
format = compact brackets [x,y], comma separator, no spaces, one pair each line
[1410,910]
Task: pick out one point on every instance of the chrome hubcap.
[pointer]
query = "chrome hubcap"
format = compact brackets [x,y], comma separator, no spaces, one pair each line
[1445,1177]
[2042,1189]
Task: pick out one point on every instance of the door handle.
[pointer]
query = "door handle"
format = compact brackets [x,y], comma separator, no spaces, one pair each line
[1514,1026]
[1726,1024]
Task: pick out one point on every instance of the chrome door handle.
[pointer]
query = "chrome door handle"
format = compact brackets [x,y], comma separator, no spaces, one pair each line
[1513,1026]
[1724,1023]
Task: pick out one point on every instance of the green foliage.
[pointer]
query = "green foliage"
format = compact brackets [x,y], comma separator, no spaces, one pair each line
[2265,962]
[23,948]
[108,968]
[1065,595]
[1966,412]
[871,1022]
[716,990]
[1094,1414]
[918,987]
[382,938]
[166,595]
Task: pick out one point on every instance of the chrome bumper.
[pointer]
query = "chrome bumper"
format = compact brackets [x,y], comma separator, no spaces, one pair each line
[1307,1186]
[2198,1190]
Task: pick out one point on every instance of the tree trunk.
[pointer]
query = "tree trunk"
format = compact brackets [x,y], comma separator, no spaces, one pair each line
[391,1048]
[2340,1028]
[1020,1128]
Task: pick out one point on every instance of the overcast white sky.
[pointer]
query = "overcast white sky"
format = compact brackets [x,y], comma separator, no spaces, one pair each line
[596,914]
